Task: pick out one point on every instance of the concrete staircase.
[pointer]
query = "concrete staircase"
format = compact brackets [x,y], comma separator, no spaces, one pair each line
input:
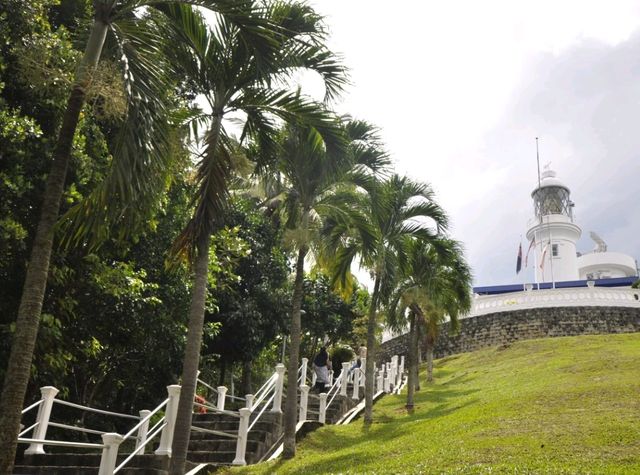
[87,464]
[204,447]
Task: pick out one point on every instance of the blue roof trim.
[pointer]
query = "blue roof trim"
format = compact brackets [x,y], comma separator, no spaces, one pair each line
[503,289]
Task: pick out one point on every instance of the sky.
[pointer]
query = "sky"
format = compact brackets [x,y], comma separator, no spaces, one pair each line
[460,90]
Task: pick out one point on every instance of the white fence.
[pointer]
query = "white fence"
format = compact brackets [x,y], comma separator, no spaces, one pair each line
[267,398]
[568,297]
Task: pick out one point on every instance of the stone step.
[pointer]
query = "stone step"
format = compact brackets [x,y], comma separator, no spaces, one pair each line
[220,457]
[232,426]
[215,445]
[257,435]
[80,470]
[151,461]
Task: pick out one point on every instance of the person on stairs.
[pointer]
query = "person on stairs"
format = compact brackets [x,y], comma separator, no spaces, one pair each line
[321,365]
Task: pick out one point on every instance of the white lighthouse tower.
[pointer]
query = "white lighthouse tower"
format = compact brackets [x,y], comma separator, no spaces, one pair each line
[554,231]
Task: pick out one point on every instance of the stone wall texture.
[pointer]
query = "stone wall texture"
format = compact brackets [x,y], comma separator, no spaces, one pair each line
[500,328]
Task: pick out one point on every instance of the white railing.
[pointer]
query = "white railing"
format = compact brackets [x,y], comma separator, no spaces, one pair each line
[566,297]
[221,394]
[145,435]
[269,394]
[325,402]
[110,440]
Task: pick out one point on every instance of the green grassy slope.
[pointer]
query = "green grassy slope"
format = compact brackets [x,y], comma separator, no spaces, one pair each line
[559,405]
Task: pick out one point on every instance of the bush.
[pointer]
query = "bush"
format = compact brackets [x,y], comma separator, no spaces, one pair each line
[339,355]
[636,284]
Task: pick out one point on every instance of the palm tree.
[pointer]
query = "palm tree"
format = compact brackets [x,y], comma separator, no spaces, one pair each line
[399,208]
[232,79]
[314,189]
[131,26]
[436,284]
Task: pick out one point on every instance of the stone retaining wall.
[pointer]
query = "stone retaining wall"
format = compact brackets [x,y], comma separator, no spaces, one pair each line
[495,329]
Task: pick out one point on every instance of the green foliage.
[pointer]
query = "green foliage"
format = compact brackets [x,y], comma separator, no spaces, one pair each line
[339,355]
[250,299]
[636,284]
[557,405]
[327,314]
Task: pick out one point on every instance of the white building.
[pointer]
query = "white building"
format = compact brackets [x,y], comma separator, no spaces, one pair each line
[553,235]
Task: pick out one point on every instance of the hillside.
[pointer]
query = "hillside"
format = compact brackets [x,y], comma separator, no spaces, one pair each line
[559,405]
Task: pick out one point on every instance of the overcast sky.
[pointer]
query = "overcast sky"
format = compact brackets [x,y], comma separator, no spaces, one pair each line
[461,89]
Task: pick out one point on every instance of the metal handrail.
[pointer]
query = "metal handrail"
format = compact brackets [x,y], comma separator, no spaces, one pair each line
[266,387]
[216,391]
[28,429]
[146,418]
[216,410]
[97,411]
[261,412]
[141,447]
[263,396]
[35,404]
[77,429]
[214,432]
[337,385]
[61,443]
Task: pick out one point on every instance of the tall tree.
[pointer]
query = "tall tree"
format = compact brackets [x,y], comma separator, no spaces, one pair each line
[435,284]
[232,78]
[399,209]
[130,26]
[314,187]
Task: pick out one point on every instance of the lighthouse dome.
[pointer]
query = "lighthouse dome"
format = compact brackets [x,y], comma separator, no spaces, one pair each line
[548,179]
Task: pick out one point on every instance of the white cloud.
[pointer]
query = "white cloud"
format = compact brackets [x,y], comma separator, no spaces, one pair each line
[460,90]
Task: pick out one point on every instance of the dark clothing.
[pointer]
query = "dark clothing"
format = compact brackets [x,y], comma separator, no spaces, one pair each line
[321,358]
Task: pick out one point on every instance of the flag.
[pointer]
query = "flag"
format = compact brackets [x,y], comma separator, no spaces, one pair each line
[544,254]
[531,245]
[519,260]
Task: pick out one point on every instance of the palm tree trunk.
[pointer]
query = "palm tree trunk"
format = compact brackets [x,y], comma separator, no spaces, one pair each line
[412,357]
[418,353]
[291,404]
[371,342]
[430,344]
[182,432]
[24,338]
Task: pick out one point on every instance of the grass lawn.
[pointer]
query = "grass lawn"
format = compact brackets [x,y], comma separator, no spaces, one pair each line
[557,405]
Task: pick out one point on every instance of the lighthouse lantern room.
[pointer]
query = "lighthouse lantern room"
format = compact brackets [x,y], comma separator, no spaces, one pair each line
[553,231]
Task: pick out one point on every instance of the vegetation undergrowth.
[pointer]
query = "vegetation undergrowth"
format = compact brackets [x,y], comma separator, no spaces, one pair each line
[558,405]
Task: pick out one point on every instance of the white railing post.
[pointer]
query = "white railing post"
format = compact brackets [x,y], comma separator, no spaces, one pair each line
[386,383]
[363,366]
[345,378]
[356,384]
[44,413]
[243,433]
[394,370]
[142,431]
[249,399]
[330,378]
[323,408]
[277,399]
[222,395]
[304,402]
[380,381]
[314,377]
[111,443]
[401,365]
[303,380]
[166,438]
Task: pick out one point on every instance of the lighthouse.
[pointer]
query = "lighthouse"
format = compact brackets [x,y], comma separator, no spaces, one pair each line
[552,230]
